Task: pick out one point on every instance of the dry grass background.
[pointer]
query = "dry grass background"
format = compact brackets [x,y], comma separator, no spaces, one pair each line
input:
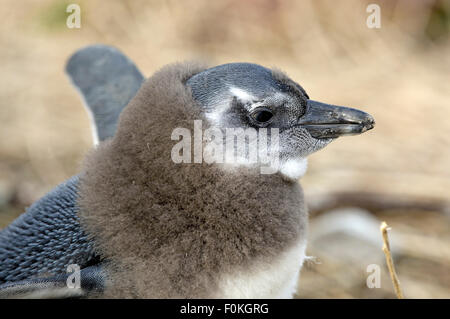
[398,73]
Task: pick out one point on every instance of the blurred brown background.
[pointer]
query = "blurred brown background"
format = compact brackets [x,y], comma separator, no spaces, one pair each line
[398,172]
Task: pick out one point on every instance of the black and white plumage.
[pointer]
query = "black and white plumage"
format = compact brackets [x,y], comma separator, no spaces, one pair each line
[143,226]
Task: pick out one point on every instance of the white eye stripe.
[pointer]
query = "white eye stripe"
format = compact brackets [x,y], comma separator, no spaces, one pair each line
[242,95]
[251,102]
[254,106]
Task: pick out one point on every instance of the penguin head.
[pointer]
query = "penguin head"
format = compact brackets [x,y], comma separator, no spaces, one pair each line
[244,95]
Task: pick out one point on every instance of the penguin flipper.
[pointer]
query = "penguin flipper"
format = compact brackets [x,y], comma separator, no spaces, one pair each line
[47,238]
[92,280]
[106,80]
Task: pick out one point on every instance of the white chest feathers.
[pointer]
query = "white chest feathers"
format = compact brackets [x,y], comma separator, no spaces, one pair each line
[269,279]
[294,168]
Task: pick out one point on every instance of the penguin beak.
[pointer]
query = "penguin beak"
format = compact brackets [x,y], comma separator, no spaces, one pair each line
[331,121]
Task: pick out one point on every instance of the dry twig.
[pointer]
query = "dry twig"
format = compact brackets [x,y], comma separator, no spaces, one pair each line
[390,263]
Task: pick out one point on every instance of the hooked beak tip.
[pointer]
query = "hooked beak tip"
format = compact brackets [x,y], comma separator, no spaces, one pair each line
[369,122]
[331,121]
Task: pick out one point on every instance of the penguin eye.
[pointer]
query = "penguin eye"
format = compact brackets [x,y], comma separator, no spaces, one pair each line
[262,116]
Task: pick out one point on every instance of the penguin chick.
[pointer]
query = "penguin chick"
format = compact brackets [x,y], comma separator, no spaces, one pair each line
[206,230]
